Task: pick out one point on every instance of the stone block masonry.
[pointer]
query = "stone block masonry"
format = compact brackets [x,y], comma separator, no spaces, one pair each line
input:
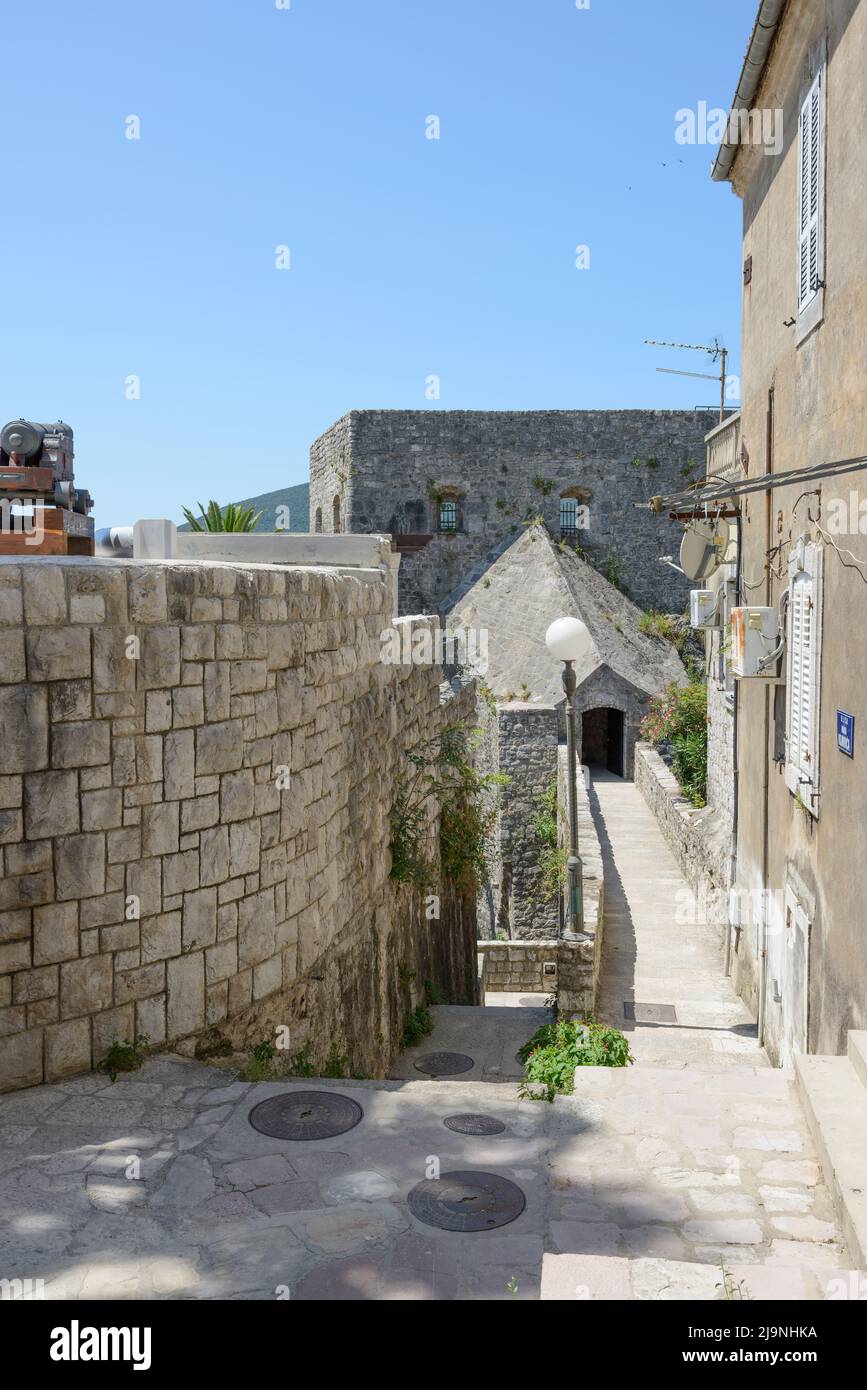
[385,471]
[528,757]
[199,762]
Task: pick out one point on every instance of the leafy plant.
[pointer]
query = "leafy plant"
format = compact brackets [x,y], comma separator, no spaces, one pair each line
[335,1065]
[264,1051]
[612,572]
[417,1026]
[550,1057]
[678,719]
[660,625]
[217,518]
[300,1063]
[552,859]
[543,484]
[733,1290]
[443,775]
[432,993]
[124,1056]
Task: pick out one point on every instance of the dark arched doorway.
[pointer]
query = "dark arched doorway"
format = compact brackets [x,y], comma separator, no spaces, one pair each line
[602,739]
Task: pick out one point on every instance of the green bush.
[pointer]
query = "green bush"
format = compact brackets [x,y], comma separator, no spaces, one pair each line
[550,1057]
[678,717]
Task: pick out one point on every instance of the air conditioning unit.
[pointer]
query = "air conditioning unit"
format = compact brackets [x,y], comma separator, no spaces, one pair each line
[704,608]
[757,644]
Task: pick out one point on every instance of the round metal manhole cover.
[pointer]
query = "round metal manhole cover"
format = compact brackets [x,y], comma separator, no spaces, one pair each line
[467,1201]
[444,1063]
[474,1124]
[305,1115]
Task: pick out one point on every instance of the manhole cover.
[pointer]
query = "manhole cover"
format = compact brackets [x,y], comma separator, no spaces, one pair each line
[444,1063]
[649,1013]
[305,1115]
[474,1124]
[466,1201]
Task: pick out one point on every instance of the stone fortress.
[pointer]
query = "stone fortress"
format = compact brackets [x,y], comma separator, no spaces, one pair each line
[450,486]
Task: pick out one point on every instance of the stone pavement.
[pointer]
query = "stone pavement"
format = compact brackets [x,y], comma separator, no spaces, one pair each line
[636,1187]
[491,1036]
[657,949]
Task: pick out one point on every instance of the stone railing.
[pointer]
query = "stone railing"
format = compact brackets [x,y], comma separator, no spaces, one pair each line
[199,762]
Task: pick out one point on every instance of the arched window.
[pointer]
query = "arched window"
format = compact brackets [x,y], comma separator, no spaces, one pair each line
[317,525]
[336,515]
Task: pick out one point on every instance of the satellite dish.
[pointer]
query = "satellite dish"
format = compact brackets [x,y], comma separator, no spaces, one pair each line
[703,546]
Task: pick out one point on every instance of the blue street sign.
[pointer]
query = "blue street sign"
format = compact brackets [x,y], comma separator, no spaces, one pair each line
[846,733]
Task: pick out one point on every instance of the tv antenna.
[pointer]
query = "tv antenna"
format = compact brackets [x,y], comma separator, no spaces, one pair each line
[717,353]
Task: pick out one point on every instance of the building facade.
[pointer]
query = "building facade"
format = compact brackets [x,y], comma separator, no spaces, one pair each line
[799,943]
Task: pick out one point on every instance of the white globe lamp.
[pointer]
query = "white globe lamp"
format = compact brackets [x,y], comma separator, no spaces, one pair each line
[567,639]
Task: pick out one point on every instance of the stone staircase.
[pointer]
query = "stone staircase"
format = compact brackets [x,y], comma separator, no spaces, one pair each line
[834,1093]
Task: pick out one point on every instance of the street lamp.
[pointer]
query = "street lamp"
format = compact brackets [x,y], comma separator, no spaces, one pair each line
[568,640]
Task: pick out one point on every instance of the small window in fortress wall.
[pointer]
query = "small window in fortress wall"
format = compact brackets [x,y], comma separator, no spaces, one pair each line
[336,516]
[448,517]
[568,516]
[318,522]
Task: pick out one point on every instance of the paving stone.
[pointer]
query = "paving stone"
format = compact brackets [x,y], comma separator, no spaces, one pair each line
[258,1172]
[349,1228]
[287,1196]
[674,1280]
[731,1230]
[590,1237]
[188,1181]
[778,1140]
[358,1185]
[805,1228]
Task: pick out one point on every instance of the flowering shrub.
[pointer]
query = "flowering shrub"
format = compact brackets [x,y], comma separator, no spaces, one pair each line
[677,721]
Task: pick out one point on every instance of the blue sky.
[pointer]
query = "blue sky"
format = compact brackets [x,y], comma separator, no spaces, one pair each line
[410,257]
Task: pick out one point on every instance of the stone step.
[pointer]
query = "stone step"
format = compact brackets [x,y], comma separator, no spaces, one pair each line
[835,1100]
[617,1277]
[858,1054]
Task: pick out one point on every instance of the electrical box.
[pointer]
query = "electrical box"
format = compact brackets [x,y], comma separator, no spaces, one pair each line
[704,608]
[756,643]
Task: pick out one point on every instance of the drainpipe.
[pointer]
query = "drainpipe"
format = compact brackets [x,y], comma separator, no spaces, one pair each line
[733,849]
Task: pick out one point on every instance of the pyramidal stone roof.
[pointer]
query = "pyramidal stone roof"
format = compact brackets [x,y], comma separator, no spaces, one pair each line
[527,582]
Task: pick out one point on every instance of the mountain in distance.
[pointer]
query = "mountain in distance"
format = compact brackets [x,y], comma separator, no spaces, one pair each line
[296,498]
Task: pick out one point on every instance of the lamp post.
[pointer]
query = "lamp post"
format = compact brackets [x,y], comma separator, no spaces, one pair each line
[568,640]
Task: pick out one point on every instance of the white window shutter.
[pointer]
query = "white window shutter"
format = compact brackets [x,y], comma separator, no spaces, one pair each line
[803,672]
[810,211]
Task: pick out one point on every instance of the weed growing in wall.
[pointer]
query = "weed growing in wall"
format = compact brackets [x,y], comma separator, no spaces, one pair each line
[442,774]
[553,856]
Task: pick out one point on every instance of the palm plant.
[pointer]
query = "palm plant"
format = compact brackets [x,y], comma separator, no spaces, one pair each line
[217,518]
